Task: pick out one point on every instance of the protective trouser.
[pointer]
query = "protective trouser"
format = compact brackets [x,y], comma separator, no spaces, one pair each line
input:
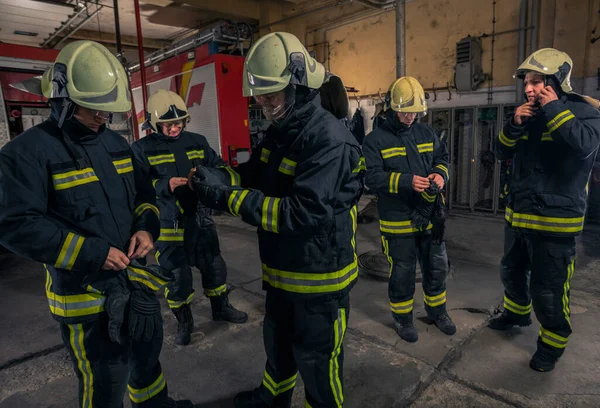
[180,291]
[104,367]
[538,269]
[402,254]
[305,336]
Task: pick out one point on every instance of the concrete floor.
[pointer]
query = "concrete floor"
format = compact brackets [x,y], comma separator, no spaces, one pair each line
[475,368]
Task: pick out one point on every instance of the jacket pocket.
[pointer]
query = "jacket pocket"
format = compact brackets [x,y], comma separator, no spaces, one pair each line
[553,200]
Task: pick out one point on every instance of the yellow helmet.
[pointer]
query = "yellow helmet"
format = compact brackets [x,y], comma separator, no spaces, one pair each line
[551,62]
[165,106]
[277,60]
[406,95]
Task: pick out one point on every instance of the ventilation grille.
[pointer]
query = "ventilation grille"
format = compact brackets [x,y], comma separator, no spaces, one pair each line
[463,52]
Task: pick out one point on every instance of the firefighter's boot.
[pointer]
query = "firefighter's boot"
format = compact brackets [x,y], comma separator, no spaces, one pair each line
[171,403]
[543,361]
[405,328]
[185,325]
[444,323]
[252,399]
[222,310]
[507,320]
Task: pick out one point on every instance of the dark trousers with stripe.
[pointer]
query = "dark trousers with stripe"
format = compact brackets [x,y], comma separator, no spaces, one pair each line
[403,253]
[305,336]
[180,291]
[536,270]
[105,369]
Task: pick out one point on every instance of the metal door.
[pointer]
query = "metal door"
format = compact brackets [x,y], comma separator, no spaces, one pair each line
[486,130]
[462,158]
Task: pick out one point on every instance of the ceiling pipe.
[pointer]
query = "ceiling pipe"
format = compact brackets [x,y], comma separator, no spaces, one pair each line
[64,26]
[307,13]
[118,30]
[138,26]
[377,5]
[400,38]
[521,49]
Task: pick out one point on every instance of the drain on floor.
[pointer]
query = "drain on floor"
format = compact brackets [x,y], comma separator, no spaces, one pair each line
[375,265]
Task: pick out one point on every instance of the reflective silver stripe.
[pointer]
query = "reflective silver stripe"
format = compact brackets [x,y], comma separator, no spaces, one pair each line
[69,251]
[76,341]
[288,167]
[278,388]
[169,234]
[236,198]
[175,304]
[298,281]
[123,166]
[195,154]
[138,274]
[264,155]
[141,395]
[402,307]
[161,158]
[69,308]
[392,152]
[425,147]
[74,178]
[270,214]
[553,339]
[334,364]
[218,291]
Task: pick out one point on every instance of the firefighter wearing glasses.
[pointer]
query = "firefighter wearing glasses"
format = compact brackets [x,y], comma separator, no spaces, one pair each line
[167,155]
[300,188]
[552,139]
[72,198]
[404,161]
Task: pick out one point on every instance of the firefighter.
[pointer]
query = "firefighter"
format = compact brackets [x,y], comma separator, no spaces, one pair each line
[552,140]
[300,187]
[404,159]
[167,155]
[72,199]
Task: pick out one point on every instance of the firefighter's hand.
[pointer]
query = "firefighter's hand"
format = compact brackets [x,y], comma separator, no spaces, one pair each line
[140,244]
[547,95]
[419,184]
[189,178]
[524,112]
[115,261]
[207,177]
[437,179]
[175,182]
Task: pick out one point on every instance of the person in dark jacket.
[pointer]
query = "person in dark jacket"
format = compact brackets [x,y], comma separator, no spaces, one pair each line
[552,140]
[300,188]
[72,199]
[404,159]
[166,156]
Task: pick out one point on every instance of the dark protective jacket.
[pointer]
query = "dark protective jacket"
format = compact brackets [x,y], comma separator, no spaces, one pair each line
[162,157]
[393,154]
[553,155]
[65,208]
[300,188]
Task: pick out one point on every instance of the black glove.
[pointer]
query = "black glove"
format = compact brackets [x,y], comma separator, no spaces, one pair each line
[201,241]
[439,221]
[211,191]
[207,176]
[153,277]
[116,306]
[145,320]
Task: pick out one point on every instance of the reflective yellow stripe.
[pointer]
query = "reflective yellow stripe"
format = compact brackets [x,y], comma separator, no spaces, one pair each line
[161,158]
[394,182]
[437,300]
[386,251]
[72,305]
[123,166]
[195,154]
[392,152]
[353,220]
[516,308]
[566,289]
[444,169]
[236,180]
[361,166]
[176,304]
[299,282]
[144,277]
[76,337]
[428,197]
[235,200]
[307,405]
[144,394]
[425,147]
[270,214]
[553,339]
[547,137]
[143,207]
[154,183]
[399,227]
[264,155]
[281,387]
[218,291]
[288,167]
[179,207]
[69,251]
[402,307]
[539,223]
[169,235]
[559,120]
[505,140]
[63,181]
[339,331]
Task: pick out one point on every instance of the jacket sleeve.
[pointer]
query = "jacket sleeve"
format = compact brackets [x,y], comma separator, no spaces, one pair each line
[377,178]
[142,165]
[228,175]
[581,133]
[146,214]
[506,143]
[25,225]
[244,175]
[309,209]
[441,158]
